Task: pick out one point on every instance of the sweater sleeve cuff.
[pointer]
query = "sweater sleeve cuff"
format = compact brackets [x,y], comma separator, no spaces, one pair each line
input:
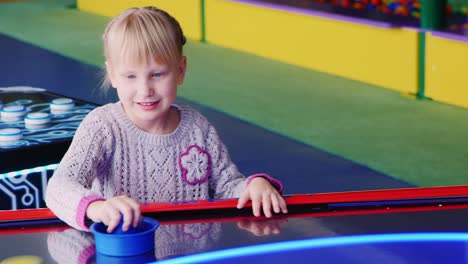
[277,184]
[82,206]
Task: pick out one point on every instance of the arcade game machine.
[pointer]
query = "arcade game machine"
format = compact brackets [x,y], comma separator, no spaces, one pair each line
[36,128]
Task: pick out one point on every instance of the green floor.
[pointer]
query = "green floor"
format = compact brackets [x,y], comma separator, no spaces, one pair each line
[422,142]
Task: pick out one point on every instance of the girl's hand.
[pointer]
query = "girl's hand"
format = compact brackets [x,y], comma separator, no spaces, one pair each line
[262,194]
[110,211]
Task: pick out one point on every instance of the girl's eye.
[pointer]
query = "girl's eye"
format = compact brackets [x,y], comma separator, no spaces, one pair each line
[157,74]
[131,76]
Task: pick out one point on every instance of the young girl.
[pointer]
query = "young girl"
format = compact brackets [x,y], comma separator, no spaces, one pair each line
[144,148]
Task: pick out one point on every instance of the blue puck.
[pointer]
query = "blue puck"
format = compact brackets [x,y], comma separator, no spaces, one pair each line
[12,112]
[36,119]
[125,243]
[10,134]
[61,105]
[14,109]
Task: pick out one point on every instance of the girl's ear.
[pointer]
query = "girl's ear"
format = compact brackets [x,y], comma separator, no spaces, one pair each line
[181,69]
[110,74]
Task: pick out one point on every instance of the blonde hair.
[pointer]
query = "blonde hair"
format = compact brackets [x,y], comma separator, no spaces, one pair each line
[138,34]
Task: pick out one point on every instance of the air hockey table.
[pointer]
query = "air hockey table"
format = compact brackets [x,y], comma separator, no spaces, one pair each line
[413,225]
[36,129]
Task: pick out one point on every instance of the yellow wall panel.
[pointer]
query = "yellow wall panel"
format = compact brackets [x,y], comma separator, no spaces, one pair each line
[187,12]
[446,70]
[385,57]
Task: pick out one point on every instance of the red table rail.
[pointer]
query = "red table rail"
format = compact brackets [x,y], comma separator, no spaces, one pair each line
[297,199]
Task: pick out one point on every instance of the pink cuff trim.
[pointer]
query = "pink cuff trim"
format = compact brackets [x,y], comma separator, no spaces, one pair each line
[277,184]
[82,206]
[86,254]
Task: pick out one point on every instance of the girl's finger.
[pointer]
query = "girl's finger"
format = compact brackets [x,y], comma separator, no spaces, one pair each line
[243,199]
[282,204]
[114,219]
[266,204]
[256,203]
[137,217]
[275,203]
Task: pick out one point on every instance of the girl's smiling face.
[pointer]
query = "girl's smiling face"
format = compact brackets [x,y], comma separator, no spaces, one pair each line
[147,91]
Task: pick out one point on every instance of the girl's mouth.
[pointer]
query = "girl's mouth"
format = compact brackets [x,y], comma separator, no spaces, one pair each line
[147,106]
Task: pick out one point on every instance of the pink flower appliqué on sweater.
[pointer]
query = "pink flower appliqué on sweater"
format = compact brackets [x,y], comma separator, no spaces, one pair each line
[195,165]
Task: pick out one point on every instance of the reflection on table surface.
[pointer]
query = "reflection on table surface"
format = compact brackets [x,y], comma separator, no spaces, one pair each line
[177,237]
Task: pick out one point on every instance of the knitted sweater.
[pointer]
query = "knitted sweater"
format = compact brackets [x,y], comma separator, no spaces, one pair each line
[110,156]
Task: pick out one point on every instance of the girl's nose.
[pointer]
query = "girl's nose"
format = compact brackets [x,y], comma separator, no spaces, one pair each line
[145,89]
